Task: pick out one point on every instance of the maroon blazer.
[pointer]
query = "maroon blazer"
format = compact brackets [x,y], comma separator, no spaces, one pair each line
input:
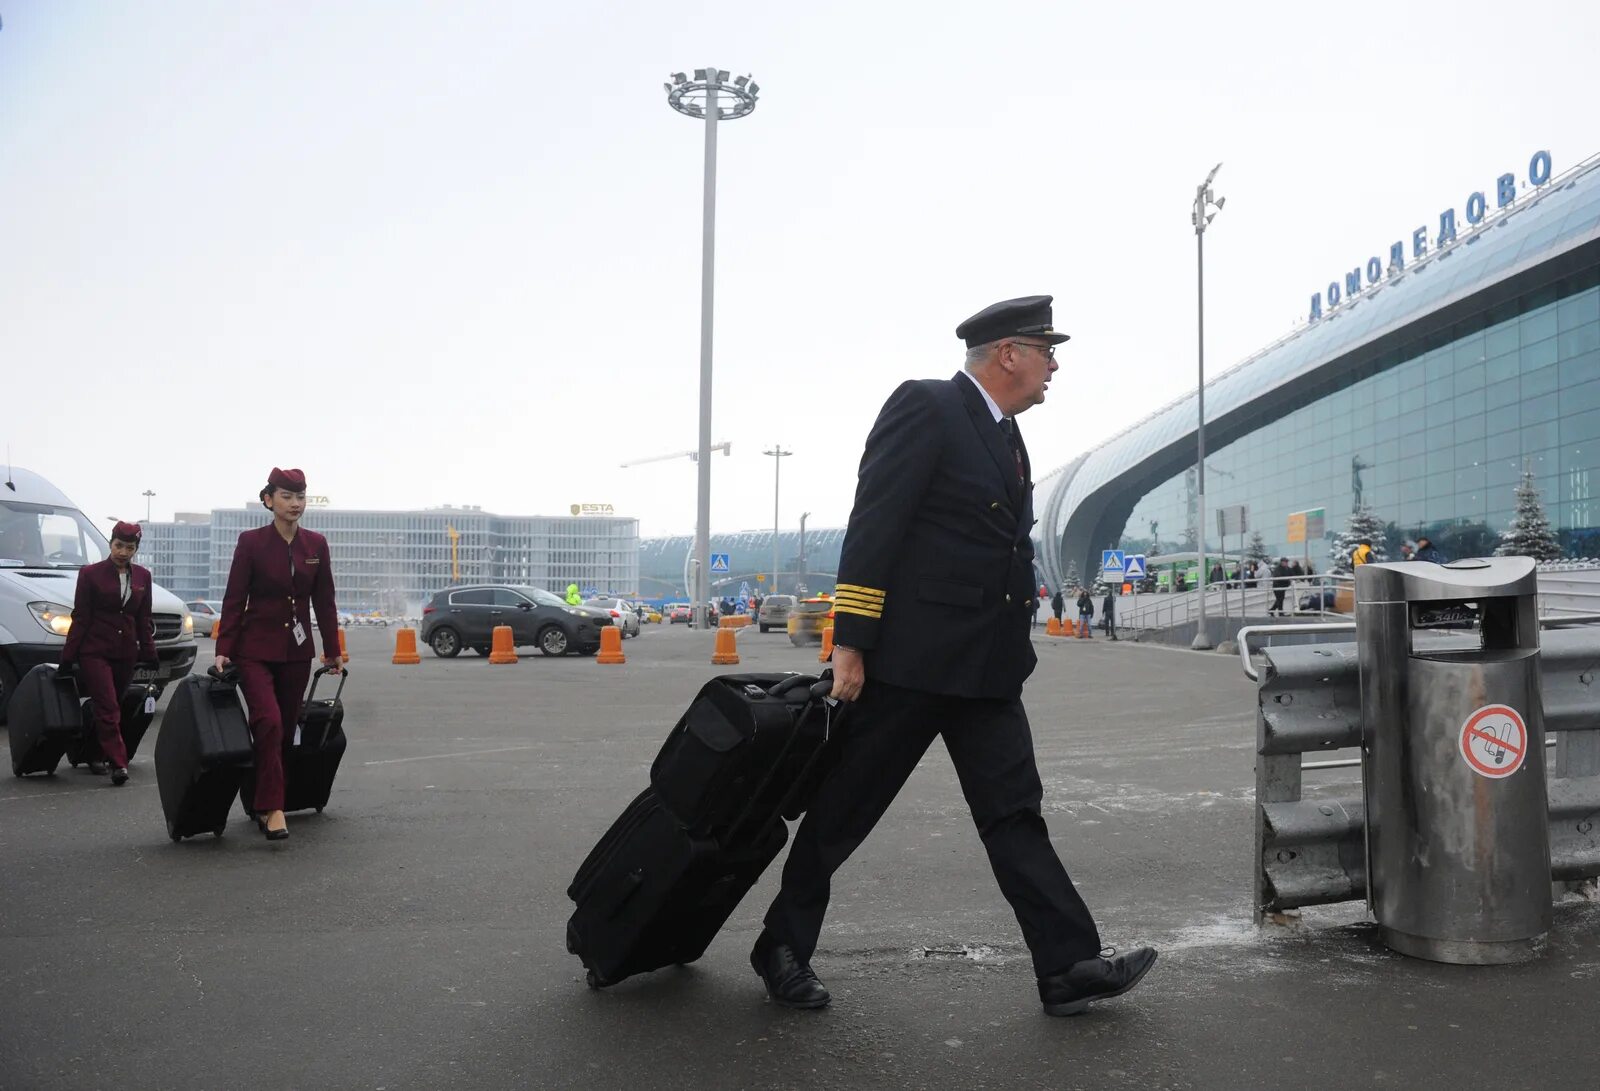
[263,601]
[105,627]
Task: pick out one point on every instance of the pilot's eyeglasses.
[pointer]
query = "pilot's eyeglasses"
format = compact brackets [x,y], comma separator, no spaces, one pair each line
[1049,351]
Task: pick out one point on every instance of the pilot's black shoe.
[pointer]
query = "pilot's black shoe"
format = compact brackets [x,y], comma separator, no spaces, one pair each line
[119,776]
[1093,979]
[789,981]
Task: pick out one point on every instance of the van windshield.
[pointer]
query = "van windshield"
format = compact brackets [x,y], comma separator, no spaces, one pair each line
[45,536]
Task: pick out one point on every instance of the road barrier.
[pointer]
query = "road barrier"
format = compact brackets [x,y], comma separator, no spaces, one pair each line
[611,646]
[1312,851]
[405,648]
[1052,627]
[826,652]
[727,651]
[344,653]
[502,650]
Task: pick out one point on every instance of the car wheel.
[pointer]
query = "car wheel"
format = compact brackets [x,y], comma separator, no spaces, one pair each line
[446,642]
[552,640]
[797,640]
[764,628]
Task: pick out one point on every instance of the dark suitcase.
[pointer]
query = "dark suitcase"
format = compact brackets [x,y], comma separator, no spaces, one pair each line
[135,722]
[665,878]
[746,749]
[312,754]
[202,752]
[43,718]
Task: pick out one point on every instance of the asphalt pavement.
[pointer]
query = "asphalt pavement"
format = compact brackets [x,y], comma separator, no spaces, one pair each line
[412,937]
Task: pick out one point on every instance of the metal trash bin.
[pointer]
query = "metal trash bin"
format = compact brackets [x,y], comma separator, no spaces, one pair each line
[1453,769]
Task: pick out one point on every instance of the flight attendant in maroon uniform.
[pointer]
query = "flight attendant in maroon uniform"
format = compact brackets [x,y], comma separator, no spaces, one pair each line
[280,571]
[112,632]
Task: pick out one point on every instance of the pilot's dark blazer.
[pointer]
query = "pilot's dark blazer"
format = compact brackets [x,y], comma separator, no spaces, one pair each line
[105,627]
[936,583]
[263,601]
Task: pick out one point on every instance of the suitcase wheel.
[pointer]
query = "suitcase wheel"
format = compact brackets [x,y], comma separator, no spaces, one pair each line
[319,810]
[172,833]
[591,979]
[219,829]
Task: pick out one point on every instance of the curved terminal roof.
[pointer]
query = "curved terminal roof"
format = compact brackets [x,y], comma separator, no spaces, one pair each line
[1559,217]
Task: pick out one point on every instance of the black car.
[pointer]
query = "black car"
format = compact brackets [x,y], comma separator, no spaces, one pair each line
[465,617]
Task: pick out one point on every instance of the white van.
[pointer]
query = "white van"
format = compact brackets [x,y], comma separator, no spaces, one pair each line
[44,540]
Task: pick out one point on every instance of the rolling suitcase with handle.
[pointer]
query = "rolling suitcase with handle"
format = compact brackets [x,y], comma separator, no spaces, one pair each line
[665,878]
[202,752]
[42,720]
[311,755]
[138,707]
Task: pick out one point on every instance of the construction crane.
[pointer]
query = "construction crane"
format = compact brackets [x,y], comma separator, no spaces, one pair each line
[692,456]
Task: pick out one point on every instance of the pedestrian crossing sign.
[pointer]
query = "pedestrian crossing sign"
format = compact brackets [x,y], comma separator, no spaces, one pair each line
[719,562]
[1133,569]
[1111,563]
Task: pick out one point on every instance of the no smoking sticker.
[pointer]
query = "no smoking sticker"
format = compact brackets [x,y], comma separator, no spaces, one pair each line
[1494,740]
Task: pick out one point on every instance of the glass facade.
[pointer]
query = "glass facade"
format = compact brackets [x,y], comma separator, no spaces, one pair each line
[1434,443]
[813,563]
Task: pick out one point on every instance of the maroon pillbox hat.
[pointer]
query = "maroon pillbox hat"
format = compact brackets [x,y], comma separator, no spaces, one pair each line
[293,480]
[127,532]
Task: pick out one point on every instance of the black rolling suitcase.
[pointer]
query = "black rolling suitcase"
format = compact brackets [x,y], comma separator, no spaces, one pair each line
[202,752]
[750,750]
[135,722]
[311,758]
[43,719]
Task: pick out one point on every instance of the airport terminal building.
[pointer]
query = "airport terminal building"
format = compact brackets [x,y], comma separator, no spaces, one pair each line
[393,561]
[1426,377]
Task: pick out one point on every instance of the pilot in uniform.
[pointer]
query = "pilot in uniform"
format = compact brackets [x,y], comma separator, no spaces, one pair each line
[931,638]
[279,572]
[112,632]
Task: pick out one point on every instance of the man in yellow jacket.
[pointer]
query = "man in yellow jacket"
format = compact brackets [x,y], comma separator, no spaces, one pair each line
[1362,554]
[573,598]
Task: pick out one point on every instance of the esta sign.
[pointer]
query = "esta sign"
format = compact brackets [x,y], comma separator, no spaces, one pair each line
[594,509]
[1477,209]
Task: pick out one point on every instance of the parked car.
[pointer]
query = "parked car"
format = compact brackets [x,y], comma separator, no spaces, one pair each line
[206,613]
[676,612]
[807,620]
[775,611]
[624,614]
[465,617]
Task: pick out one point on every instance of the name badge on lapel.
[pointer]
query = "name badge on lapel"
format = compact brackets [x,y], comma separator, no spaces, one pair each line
[313,560]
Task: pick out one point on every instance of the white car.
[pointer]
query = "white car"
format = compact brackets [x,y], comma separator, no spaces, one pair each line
[624,614]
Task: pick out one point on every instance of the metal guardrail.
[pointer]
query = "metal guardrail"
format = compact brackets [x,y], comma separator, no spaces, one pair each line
[1312,851]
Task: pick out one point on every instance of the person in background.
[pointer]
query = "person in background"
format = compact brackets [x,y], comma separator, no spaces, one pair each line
[1362,553]
[1427,551]
[1058,604]
[1108,616]
[574,598]
[1085,613]
[280,572]
[1408,551]
[1280,584]
[112,632]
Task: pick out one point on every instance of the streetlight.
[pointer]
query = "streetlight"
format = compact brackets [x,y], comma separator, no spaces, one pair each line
[778,455]
[148,493]
[1201,217]
[700,98]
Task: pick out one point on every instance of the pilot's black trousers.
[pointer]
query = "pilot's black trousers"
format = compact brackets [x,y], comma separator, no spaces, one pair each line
[886,733]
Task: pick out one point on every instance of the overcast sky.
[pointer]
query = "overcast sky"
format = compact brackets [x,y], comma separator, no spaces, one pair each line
[450,252]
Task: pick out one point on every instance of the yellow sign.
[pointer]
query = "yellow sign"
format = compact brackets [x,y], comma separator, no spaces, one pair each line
[1297,527]
[761,577]
[594,509]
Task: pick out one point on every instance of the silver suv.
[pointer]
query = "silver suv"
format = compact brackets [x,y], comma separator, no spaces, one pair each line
[775,612]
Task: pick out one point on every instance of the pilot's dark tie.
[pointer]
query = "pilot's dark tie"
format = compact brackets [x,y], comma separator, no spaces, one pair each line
[1009,427]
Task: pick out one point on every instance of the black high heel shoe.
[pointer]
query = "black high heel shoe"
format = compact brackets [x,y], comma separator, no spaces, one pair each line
[271,835]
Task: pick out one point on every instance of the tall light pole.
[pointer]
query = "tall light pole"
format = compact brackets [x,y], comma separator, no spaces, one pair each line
[778,455]
[803,517]
[1205,210]
[148,493]
[700,98]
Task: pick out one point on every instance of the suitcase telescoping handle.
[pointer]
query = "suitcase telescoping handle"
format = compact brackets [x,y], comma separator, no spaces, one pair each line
[818,691]
[320,671]
[228,677]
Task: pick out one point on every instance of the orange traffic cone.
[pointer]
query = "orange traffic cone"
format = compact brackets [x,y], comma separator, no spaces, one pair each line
[344,653]
[216,627]
[611,646]
[727,652]
[1052,627]
[827,645]
[405,647]
[502,651]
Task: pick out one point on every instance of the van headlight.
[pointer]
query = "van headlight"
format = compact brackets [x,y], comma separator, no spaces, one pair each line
[188,624]
[52,616]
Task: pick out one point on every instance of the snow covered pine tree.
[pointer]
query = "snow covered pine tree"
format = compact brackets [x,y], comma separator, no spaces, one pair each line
[1529,534]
